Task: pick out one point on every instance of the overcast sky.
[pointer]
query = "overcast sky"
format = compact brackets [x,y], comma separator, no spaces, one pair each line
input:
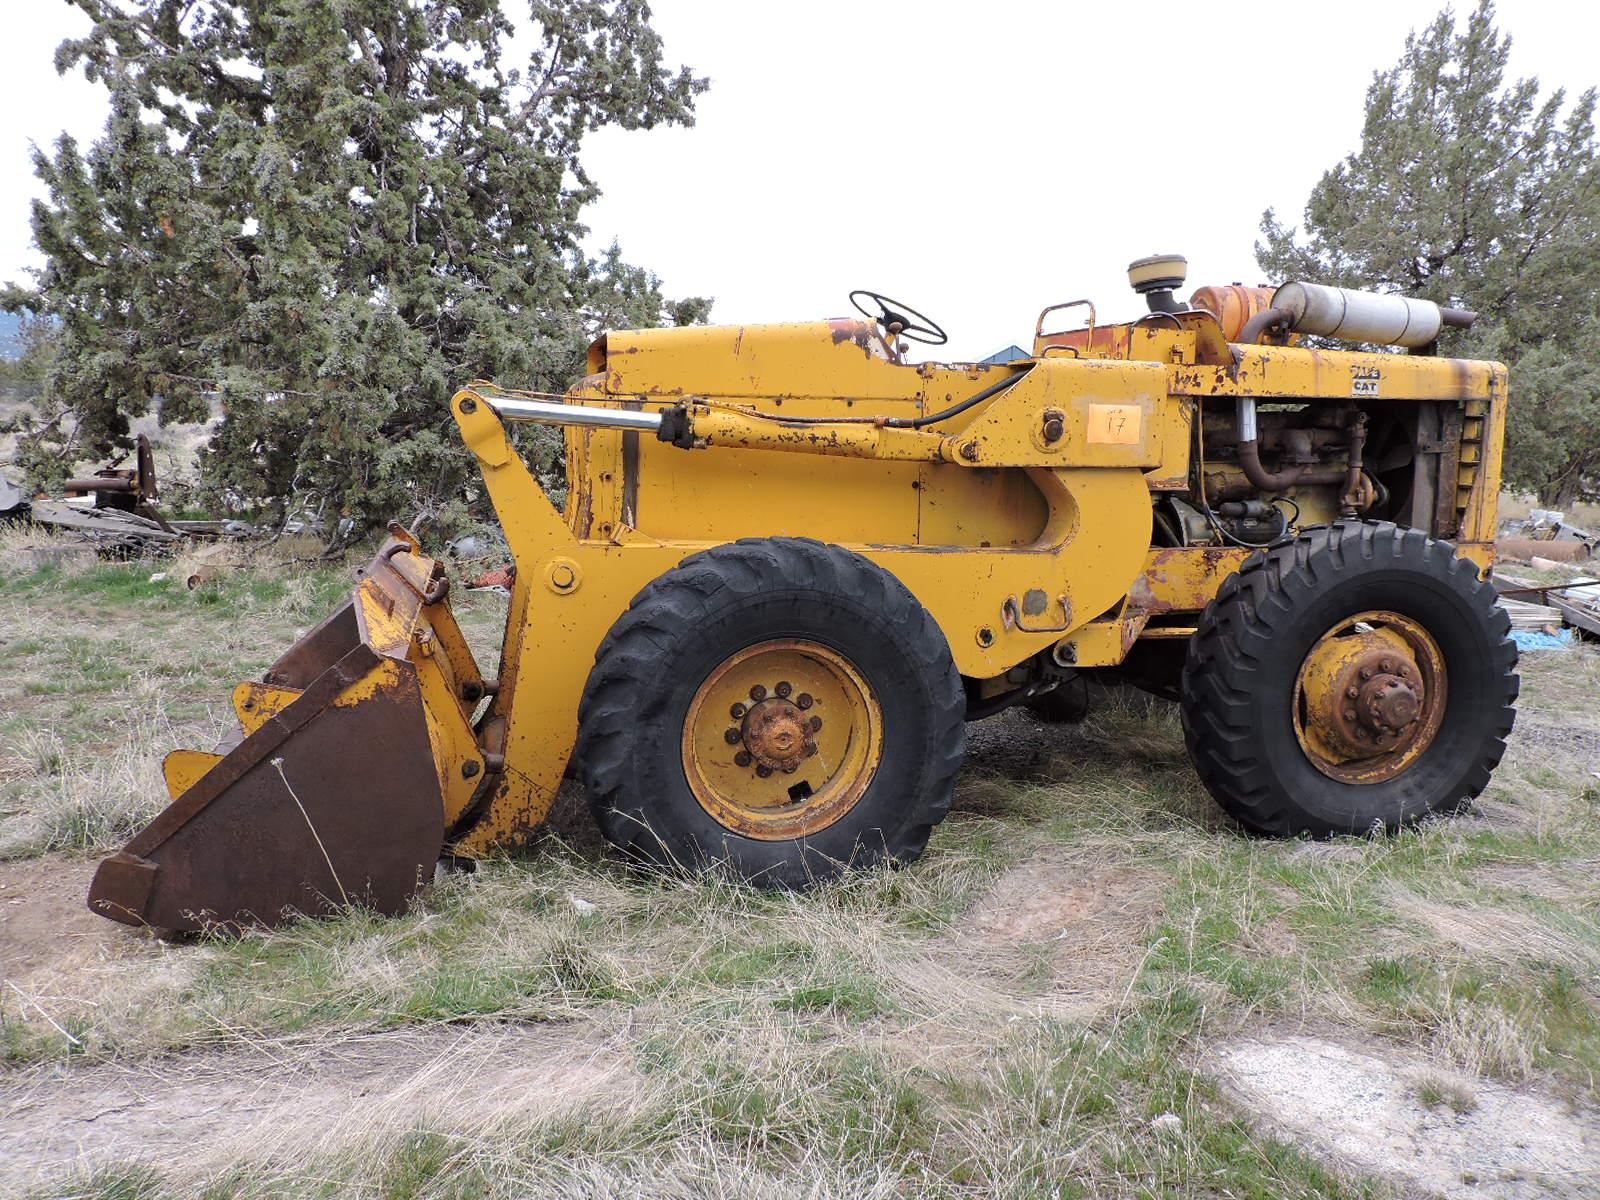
[977,160]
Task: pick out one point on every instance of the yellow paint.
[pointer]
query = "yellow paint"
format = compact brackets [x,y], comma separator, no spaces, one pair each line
[257,703]
[807,718]
[1022,524]
[185,768]
[971,512]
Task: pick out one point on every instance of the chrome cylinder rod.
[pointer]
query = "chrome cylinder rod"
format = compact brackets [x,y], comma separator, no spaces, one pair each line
[554,412]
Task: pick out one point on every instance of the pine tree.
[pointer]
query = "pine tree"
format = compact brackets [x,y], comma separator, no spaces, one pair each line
[328,214]
[1470,190]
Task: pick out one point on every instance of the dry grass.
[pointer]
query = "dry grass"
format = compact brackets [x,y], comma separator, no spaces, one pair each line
[1027,1011]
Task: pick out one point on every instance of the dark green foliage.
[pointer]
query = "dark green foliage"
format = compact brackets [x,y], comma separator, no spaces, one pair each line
[1471,190]
[326,217]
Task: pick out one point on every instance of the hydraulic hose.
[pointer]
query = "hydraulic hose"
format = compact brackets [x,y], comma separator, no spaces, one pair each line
[956,409]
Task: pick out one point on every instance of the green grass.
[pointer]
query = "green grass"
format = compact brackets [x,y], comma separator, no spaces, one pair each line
[918,1032]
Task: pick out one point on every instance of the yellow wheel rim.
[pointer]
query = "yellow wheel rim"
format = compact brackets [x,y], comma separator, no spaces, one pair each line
[782,739]
[1370,697]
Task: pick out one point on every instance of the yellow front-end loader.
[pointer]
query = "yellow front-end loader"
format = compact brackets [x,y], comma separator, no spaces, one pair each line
[792,565]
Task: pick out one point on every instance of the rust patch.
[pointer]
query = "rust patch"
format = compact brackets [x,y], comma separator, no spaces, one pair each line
[585,500]
[630,471]
[1183,579]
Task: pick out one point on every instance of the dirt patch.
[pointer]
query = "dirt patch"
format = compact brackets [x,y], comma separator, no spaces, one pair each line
[1404,1118]
[284,1104]
[1566,883]
[1059,902]
[1499,933]
[1056,931]
[48,936]
[61,966]
[1534,739]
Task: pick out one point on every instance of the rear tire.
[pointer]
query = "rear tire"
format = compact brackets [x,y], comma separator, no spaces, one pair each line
[689,663]
[1245,683]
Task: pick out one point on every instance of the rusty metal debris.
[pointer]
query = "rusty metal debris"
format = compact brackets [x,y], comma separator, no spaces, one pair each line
[1548,534]
[114,509]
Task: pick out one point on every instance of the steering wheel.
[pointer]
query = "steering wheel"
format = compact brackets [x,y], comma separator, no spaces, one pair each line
[901,320]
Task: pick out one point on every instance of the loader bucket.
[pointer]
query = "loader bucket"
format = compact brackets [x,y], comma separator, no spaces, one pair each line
[338,790]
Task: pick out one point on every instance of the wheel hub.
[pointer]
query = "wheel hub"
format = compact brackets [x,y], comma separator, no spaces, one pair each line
[777,734]
[1369,697]
[1389,704]
[782,739]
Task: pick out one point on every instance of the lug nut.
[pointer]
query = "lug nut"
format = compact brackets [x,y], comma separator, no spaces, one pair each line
[816,724]
[803,700]
[1366,672]
[737,711]
[743,758]
[1386,665]
[759,692]
[469,769]
[1349,714]
[783,690]
[1352,691]
[732,736]
[789,770]
[763,770]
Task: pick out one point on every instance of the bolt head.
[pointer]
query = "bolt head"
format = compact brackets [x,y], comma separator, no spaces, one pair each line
[969,451]
[1349,714]
[759,692]
[763,770]
[816,724]
[743,758]
[789,770]
[1352,691]
[1386,665]
[1366,672]
[803,700]
[732,736]
[737,711]
[783,690]
[1054,429]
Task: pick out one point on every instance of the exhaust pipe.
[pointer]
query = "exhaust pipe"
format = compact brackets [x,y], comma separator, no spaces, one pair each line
[1355,316]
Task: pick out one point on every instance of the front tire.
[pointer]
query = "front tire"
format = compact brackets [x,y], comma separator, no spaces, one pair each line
[775,706]
[1361,677]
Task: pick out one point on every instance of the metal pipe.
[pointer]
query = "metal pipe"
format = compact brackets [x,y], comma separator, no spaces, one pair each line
[1246,431]
[554,412]
[1359,316]
[1250,451]
[1350,498]
[1260,323]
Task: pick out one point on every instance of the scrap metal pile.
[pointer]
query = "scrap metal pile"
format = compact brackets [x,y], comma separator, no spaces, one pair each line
[1545,615]
[114,510]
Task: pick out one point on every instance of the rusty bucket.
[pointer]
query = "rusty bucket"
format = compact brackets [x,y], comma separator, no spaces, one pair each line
[335,792]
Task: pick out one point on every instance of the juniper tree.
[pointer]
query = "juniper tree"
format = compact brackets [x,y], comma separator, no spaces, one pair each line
[1471,190]
[326,215]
